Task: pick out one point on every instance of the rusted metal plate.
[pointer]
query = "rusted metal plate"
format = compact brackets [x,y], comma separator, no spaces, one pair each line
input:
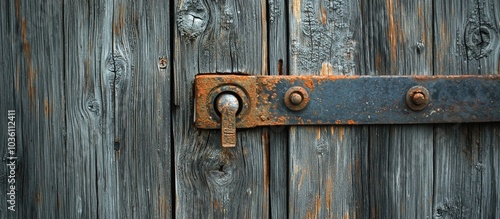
[349,100]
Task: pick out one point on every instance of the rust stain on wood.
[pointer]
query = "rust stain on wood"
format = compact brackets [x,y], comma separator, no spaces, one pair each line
[341,133]
[31,71]
[318,204]
[421,18]
[162,203]
[346,215]
[46,107]
[391,33]
[38,198]
[323,15]
[420,12]
[302,174]
[328,195]
[18,8]
[444,34]
[216,204]
[118,26]
[86,77]
[326,69]
[310,214]
[318,133]
[266,167]
[296,9]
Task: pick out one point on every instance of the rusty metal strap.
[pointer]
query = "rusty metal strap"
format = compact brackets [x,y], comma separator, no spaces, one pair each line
[348,100]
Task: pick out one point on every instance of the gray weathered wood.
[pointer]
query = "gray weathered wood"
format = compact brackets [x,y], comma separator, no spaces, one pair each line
[94,118]
[326,163]
[327,172]
[211,181]
[141,101]
[36,48]
[93,108]
[467,39]
[397,40]
[7,99]
[88,155]
[388,41]
[278,136]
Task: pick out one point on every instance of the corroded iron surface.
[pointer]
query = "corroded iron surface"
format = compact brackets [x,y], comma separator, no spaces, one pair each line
[349,100]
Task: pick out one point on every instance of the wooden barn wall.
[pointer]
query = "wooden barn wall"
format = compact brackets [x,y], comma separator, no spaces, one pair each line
[103,94]
[92,108]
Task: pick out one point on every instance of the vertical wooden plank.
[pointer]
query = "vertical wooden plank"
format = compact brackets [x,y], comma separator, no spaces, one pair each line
[278,136]
[326,163]
[400,173]
[89,186]
[397,40]
[327,173]
[467,42]
[489,142]
[211,181]
[7,102]
[37,51]
[141,96]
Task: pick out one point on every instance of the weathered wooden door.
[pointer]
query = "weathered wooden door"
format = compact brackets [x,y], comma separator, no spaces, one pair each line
[102,98]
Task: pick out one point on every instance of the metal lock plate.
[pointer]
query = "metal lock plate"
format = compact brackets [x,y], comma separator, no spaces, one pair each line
[348,100]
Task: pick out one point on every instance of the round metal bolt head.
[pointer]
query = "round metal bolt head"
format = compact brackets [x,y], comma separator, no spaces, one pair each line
[417,98]
[227,101]
[218,94]
[162,63]
[296,98]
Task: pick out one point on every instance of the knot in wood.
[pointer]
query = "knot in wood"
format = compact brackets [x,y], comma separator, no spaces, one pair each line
[192,19]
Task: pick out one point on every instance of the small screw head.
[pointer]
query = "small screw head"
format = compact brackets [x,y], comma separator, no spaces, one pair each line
[417,98]
[162,63]
[296,98]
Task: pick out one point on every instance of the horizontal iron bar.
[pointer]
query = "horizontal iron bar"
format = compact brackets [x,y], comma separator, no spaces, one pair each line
[349,100]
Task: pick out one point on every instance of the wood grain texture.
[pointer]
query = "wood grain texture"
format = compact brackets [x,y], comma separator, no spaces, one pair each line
[211,181]
[391,39]
[88,155]
[93,108]
[141,100]
[397,40]
[466,35]
[7,99]
[278,136]
[97,117]
[37,70]
[37,50]
[326,163]
[327,173]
